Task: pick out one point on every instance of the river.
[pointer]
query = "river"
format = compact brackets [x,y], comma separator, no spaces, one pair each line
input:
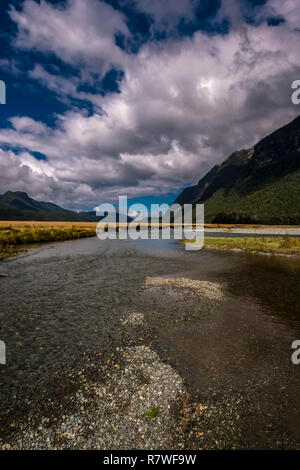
[62,302]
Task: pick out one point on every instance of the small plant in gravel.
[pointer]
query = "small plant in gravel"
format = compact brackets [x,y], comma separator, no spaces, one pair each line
[152,413]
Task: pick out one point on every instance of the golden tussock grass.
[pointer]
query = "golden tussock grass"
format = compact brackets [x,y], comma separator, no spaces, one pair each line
[276,245]
[16,236]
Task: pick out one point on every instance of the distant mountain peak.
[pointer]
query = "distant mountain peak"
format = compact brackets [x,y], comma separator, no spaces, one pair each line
[18,205]
[258,185]
[16,194]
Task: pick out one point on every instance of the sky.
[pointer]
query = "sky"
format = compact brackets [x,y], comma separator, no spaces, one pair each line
[138,97]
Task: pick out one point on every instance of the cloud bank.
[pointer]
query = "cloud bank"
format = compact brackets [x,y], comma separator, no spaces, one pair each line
[184,102]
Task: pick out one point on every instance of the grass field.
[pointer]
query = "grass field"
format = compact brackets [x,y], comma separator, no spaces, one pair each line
[16,236]
[34,224]
[43,224]
[276,245]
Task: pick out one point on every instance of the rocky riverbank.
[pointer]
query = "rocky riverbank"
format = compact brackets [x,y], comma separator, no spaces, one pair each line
[127,398]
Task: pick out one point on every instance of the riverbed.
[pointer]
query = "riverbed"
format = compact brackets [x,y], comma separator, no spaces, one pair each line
[218,327]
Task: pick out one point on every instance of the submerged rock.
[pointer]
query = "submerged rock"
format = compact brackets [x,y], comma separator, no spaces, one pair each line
[203,289]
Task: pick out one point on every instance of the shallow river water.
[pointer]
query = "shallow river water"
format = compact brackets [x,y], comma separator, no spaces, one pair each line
[62,301]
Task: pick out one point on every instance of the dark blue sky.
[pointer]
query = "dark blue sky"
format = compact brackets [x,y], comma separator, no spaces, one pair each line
[28,97]
[111,81]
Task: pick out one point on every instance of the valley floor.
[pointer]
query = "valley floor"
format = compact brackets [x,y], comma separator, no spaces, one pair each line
[17,236]
[246,230]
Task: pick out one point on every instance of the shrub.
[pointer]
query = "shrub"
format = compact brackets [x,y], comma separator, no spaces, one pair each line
[152,413]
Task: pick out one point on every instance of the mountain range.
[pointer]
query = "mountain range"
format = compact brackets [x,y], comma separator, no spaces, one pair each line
[260,185]
[17,205]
